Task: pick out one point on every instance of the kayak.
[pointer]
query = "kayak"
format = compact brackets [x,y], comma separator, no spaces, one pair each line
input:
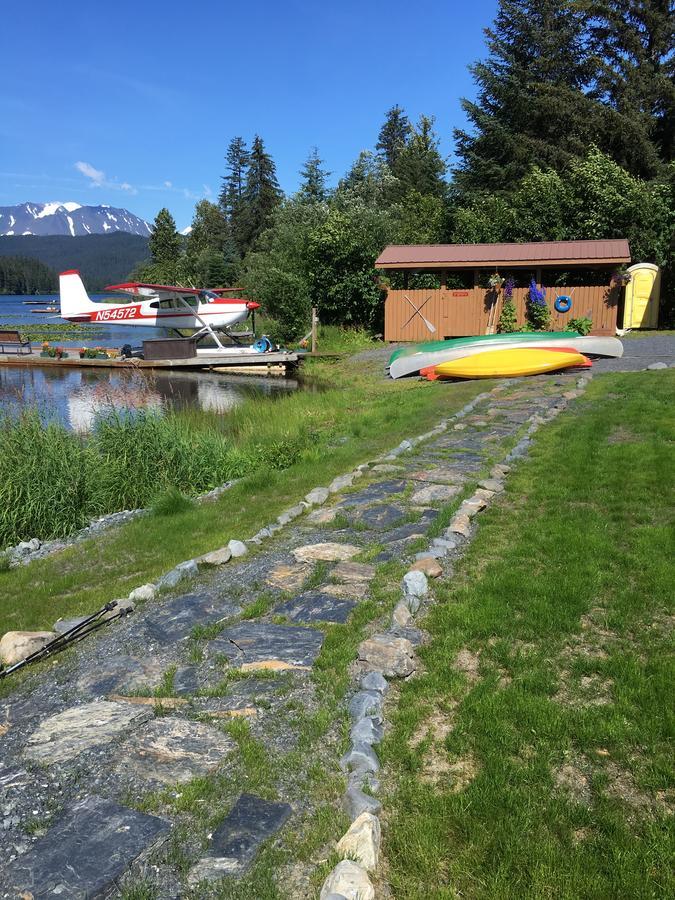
[448,352]
[509,363]
[450,343]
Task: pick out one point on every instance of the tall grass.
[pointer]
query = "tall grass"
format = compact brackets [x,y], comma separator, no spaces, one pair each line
[53,481]
[44,490]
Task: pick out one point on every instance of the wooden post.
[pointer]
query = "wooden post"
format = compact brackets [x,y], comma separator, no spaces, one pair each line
[315,328]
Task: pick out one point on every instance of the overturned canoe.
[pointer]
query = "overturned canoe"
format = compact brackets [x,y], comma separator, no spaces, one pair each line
[517,337]
[448,351]
[510,363]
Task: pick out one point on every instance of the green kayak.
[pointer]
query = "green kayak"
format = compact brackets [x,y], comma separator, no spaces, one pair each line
[432,346]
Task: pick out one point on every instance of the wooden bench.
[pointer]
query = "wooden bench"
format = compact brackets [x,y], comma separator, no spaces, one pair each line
[10,342]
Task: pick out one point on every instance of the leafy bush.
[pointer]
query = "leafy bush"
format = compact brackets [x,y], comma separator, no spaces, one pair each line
[582,325]
[508,318]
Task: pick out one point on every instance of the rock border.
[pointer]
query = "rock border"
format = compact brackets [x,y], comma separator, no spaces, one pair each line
[389,655]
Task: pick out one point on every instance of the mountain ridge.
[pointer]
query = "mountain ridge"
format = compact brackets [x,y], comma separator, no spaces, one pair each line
[69,219]
[101,258]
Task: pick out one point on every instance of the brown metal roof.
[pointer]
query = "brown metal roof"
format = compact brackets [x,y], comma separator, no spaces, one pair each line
[454,256]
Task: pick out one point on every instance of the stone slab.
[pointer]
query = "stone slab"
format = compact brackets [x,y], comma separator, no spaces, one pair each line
[379,518]
[236,841]
[439,475]
[173,751]
[262,645]
[435,493]
[353,572]
[317,606]
[85,853]
[67,734]
[328,552]
[356,590]
[120,675]
[374,492]
[173,621]
[288,578]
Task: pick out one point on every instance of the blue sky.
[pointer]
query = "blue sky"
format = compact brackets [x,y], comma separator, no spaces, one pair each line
[133,103]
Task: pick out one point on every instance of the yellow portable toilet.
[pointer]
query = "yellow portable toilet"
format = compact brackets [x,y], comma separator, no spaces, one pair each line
[641,307]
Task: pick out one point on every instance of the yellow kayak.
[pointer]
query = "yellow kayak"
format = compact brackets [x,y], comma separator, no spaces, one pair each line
[507,363]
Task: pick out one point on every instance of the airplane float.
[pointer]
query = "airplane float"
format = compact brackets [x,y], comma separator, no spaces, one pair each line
[157,306]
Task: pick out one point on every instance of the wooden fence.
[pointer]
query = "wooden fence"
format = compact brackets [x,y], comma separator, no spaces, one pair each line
[454,313]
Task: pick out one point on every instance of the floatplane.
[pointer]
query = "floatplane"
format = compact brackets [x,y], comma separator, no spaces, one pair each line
[206,312]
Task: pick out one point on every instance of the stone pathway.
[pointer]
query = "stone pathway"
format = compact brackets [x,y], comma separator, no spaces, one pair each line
[89,744]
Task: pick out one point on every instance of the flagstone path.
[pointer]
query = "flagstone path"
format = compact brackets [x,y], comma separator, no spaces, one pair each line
[85,744]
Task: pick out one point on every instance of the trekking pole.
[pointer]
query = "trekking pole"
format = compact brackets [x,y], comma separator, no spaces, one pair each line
[76,633]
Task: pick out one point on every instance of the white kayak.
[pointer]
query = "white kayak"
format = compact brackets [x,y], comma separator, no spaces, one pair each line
[589,346]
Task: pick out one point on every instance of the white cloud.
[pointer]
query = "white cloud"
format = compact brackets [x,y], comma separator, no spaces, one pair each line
[168,184]
[97,177]
[207,190]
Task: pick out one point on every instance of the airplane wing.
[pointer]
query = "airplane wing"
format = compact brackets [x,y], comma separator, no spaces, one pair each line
[162,291]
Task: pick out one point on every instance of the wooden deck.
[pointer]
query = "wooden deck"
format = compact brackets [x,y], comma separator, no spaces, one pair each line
[258,362]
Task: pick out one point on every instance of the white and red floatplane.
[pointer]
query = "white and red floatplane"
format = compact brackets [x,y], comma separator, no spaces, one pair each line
[157,306]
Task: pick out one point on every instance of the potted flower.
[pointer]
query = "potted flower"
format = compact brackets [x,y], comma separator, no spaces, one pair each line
[620,278]
[495,281]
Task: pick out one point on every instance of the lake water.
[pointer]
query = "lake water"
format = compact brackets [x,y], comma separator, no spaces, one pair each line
[14,312]
[75,396]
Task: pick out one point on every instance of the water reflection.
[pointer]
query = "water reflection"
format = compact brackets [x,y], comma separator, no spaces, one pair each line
[75,396]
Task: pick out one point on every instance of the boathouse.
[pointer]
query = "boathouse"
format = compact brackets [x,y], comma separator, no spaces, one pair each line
[439,291]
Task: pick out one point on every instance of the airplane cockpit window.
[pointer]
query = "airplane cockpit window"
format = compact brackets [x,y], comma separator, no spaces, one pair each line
[207,296]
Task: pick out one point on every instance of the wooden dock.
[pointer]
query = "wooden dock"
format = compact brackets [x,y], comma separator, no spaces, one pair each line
[258,363]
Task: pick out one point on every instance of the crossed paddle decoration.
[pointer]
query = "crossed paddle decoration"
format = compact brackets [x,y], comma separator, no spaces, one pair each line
[417,311]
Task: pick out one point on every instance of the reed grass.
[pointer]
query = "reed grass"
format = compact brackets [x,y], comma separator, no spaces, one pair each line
[52,481]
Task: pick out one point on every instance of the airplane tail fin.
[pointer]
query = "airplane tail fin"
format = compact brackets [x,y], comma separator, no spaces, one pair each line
[74,300]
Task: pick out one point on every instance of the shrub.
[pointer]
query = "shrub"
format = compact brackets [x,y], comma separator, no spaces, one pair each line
[582,325]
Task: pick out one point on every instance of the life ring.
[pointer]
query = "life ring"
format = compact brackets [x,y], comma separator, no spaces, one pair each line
[563,304]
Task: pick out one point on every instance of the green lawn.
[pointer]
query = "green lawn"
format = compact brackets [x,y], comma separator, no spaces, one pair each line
[354,414]
[533,756]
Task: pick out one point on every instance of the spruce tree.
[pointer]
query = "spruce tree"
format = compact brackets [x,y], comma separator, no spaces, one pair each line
[419,166]
[233,186]
[164,242]
[209,229]
[313,185]
[394,135]
[531,108]
[634,46]
[261,196]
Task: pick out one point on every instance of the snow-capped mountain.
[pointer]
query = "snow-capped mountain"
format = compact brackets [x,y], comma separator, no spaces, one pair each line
[69,218]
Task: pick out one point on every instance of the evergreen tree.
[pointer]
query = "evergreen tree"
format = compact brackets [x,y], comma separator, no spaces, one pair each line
[531,108]
[209,229]
[313,186]
[261,196]
[419,166]
[634,45]
[164,242]
[394,135]
[369,180]
[231,196]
